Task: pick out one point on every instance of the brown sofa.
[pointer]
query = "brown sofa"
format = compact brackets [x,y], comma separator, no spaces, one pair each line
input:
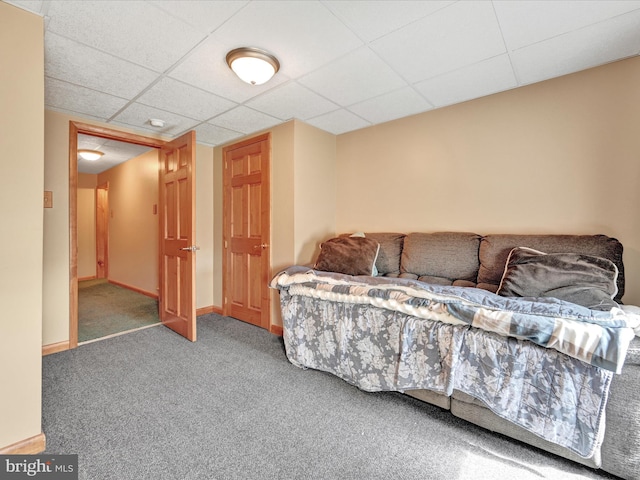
[472,260]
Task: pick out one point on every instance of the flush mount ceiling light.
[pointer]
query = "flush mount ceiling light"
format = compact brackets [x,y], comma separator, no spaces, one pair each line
[90,155]
[252,65]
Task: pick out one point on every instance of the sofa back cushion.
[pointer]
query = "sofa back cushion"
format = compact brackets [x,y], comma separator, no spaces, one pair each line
[388,262]
[443,257]
[494,250]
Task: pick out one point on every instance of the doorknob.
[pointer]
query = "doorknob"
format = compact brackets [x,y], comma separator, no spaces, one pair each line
[262,246]
[191,248]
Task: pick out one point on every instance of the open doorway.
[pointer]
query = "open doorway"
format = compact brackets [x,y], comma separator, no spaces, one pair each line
[177,229]
[117,224]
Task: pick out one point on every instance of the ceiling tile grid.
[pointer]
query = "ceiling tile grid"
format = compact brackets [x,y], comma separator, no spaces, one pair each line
[136,31]
[345,64]
[391,106]
[177,97]
[484,78]
[82,100]
[138,115]
[292,100]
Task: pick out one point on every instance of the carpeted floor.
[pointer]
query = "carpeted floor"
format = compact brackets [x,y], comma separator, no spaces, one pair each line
[151,405]
[105,309]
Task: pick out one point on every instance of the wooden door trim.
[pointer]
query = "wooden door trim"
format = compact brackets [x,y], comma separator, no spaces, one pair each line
[266,227]
[102,232]
[104,132]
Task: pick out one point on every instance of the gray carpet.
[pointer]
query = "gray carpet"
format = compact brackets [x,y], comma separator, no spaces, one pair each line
[151,405]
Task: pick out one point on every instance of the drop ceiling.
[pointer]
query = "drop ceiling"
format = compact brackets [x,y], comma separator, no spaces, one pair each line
[345,65]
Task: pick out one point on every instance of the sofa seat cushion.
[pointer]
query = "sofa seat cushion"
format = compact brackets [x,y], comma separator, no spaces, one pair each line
[445,255]
[491,287]
[427,279]
[494,250]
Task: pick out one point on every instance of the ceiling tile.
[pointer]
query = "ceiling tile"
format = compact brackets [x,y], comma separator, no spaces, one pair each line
[213,135]
[455,36]
[371,20]
[302,35]
[123,150]
[206,68]
[89,142]
[292,101]
[340,121]
[588,47]
[34,6]
[138,115]
[177,97]
[484,78]
[349,80]
[81,100]
[76,63]
[245,120]
[527,22]
[204,15]
[134,30]
[390,106]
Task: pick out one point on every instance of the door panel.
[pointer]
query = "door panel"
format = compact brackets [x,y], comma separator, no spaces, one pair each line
[177,229]
[247,231]
[102,231]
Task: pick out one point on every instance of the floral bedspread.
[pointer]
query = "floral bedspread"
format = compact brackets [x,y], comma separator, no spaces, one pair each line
[509,354]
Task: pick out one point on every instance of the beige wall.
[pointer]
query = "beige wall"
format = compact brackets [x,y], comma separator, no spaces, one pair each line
[133,226]
[204,227]
[21,211]
[560,156]
[56,226]
[315,190]
[87,225]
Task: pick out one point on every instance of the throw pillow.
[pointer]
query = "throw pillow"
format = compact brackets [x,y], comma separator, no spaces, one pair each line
[348,255]
[582,279]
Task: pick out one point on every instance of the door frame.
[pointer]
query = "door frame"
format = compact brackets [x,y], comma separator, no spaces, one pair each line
[76,128]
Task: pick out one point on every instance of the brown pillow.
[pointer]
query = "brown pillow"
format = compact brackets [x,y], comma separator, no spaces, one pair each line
[348,255]
[582,279]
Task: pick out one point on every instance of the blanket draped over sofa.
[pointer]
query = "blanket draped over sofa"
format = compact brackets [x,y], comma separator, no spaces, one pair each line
[418,336]
[544,365]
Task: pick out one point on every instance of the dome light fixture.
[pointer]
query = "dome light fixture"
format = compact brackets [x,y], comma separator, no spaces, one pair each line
[253,65]
[90,155]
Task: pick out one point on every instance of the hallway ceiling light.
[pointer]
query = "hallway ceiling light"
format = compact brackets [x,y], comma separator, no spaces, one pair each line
[253,65]
[90,155]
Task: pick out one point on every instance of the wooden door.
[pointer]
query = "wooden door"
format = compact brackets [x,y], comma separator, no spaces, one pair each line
[102,231]
[247,231]
[177,236]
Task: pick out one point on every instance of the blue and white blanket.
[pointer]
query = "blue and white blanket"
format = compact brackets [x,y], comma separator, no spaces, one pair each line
[543,364]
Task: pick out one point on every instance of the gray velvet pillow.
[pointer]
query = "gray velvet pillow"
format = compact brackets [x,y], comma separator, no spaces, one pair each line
[582,279]
[348,255]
